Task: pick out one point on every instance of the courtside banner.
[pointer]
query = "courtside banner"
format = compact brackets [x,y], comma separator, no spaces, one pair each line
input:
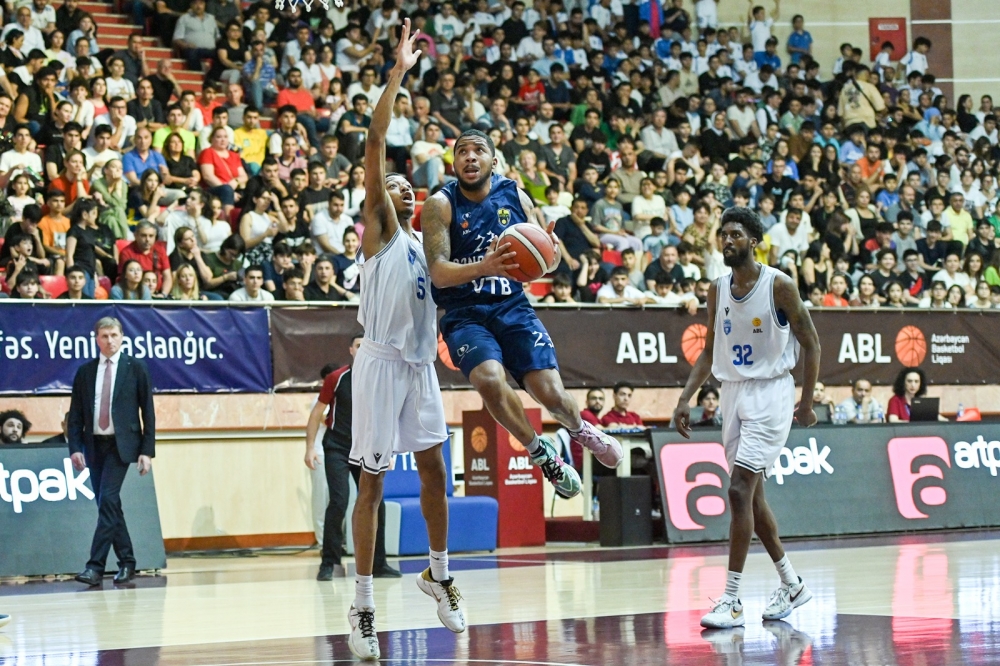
[833,480]
[200,349]
[656,347]
[48,513]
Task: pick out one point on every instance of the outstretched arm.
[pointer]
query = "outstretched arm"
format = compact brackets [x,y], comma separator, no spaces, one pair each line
[381,222]
[786,299]
[435,223]
[699,373]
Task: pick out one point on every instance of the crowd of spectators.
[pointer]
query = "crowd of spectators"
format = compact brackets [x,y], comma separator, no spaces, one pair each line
[631,126]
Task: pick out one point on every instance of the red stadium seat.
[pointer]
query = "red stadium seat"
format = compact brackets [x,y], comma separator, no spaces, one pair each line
[55,285]
[105,282]
[612,257]
[3,285]
[122,244]
[541,287]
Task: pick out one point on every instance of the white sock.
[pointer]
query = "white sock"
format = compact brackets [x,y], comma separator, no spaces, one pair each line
[439,565]
[786,571]
[733,579]
[535,445]
[364,591]
[574,433]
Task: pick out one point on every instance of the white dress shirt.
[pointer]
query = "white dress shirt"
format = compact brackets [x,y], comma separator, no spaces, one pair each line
[99,392]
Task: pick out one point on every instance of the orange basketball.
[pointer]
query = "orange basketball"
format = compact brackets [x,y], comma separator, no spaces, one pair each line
[911,346]
[693,342]
[535,252]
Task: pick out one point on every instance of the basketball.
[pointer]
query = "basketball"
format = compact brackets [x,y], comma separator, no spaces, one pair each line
[911,346]
[535,251]
[693,342]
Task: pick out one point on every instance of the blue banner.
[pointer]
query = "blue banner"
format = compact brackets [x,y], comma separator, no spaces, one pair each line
[190,349]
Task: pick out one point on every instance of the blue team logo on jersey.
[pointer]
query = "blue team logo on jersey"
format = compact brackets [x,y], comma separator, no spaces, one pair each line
[411,255]
[503,215]
[727,326]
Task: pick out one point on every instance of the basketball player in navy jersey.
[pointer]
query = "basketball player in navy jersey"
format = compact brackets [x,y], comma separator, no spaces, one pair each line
[489,325]
[397,403]
[756,326]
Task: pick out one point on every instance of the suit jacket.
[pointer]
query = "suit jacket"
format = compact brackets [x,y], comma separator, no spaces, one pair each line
[132,398]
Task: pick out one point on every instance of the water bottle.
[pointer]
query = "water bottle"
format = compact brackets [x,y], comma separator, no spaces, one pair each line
[961,411]
[596,509]
[839,416]
[880,415]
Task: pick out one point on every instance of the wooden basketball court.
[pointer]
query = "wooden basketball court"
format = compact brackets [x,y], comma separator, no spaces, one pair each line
[928,599]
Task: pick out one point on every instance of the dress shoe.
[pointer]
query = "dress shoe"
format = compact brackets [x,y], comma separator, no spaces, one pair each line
[89,577]
[331,571]
[386,571]
[125,575]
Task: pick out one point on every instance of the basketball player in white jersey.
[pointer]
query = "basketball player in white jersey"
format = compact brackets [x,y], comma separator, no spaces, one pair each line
[397,401]
[757,325]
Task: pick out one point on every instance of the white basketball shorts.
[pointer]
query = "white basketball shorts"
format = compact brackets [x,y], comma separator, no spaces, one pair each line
[756,419]
[395,407]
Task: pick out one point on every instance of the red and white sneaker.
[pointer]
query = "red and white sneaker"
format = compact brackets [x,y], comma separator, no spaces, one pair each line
[605,448]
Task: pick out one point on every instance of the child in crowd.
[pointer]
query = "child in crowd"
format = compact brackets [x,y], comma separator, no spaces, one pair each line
[54,226]
[562,290]
[553,210]
[685,253]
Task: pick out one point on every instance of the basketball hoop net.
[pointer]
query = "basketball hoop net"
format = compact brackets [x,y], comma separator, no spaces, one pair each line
[280,4]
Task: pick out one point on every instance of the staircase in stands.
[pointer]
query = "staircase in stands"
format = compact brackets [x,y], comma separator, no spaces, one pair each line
[113,29]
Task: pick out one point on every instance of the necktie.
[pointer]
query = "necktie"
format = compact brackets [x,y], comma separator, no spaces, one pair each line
[104,419]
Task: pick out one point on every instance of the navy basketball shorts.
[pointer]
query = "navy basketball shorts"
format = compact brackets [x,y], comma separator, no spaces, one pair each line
[508,332]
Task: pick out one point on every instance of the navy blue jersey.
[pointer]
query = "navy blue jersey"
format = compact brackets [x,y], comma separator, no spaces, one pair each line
[473,228]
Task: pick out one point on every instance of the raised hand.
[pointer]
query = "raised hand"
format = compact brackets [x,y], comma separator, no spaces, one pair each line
[406,57]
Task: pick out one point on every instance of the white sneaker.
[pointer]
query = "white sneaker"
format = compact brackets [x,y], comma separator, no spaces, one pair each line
[363,641]
[785,599]
[447,597]
[726,614]
[4,619]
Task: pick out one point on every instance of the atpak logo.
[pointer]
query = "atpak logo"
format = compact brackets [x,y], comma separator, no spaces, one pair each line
[918,469]
[915,463]
[693,476]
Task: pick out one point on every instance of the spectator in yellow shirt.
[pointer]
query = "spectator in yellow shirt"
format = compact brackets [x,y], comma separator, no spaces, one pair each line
[251,140]
[959,220]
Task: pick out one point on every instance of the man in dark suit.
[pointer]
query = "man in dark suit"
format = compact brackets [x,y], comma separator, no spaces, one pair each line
[106,434]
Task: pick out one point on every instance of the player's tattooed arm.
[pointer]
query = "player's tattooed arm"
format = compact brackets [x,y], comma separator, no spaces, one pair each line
[787,300]
[435,223]
[700,373]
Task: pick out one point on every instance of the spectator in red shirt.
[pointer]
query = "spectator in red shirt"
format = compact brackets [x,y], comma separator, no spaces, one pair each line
[73,181]
[595,403]
[619,414]
[207,103]
[910,383]
[592,415]
[532,93]
[301,98]
[152,256]
[222,169]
